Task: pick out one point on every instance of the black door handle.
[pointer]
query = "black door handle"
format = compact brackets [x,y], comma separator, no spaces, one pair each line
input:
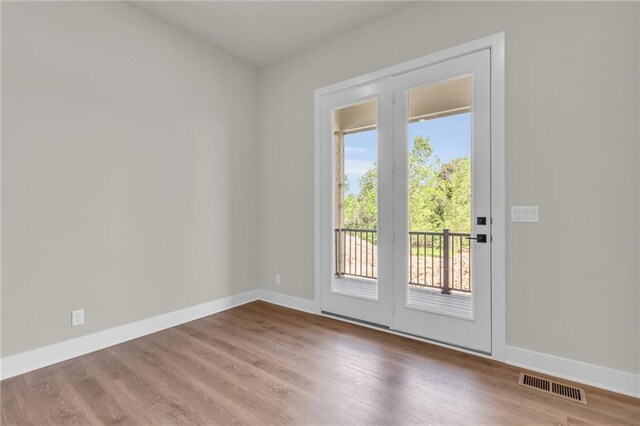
[480,238]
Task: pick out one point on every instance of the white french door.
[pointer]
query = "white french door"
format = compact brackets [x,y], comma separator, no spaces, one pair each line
[442,279]
[357,279]
[406,243]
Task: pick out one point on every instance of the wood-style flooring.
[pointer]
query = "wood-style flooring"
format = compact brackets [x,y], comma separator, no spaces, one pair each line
[263,364]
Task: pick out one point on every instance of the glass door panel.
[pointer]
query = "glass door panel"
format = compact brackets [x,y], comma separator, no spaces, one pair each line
[439,192]
[356,134]
[356,199]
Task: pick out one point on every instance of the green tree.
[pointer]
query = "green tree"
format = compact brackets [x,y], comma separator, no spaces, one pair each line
[454,195]
[423,171]
[361,210]
[439,194]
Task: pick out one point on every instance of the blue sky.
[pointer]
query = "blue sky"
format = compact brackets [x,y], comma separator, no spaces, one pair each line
[450,138]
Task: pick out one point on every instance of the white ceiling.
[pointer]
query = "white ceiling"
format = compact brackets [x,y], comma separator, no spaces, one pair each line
[264,32]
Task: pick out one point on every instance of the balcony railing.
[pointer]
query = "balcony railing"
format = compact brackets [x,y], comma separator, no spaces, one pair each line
[356,253]
[437,259]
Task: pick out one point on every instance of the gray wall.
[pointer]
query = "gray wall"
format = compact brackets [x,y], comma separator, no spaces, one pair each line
[572,148]
[128,183]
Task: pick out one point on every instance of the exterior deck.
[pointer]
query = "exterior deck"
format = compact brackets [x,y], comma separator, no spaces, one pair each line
[458,304]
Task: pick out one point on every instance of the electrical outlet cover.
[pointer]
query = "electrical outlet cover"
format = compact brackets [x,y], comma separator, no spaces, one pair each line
[77,317]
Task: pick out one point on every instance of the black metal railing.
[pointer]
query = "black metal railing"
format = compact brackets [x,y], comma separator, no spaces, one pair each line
[440,260]
[356,252]
[436,259]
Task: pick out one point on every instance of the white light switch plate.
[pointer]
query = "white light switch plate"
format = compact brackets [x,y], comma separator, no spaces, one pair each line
[524,214]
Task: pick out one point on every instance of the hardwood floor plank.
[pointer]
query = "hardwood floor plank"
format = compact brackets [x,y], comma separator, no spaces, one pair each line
[325,372]
[162,404]
[17,404]
[268,366]
[96,393]
[221,376]
[264,364]
[60,405]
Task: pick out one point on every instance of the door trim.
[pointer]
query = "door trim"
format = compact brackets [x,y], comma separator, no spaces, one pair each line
[495,43]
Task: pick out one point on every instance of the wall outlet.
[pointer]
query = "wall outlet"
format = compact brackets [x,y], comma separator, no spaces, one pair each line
[277,279]
[77,317]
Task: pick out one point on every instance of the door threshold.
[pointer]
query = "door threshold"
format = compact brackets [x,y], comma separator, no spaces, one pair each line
[356,321]
[389,330]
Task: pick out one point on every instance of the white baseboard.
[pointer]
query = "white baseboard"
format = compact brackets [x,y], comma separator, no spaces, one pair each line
[593,375]
[285,300]
[23,362]
[581,372]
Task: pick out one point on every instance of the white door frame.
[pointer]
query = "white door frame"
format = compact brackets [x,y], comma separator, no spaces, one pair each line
[322,246]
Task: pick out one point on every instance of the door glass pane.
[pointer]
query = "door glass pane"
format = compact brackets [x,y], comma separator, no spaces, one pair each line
[439,173]
[356,198]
